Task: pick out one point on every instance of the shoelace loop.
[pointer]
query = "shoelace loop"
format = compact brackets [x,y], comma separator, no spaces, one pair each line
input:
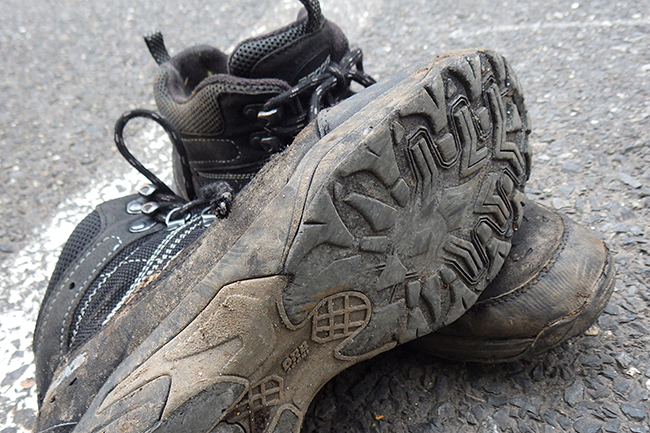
[176,142]
[164,205]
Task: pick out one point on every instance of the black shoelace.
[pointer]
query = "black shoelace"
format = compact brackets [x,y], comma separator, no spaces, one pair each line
[164,205]
[326,89]
[285,117]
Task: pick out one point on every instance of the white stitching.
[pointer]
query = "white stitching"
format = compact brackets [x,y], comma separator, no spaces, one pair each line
[215,160]
[62,284]
[101,262]
[146,270]
[103,279]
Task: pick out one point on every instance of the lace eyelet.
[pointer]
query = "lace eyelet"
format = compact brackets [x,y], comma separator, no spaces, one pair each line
[147,190]
[271,144]
[142,225]
[251,111]
[134,207]
[149,208]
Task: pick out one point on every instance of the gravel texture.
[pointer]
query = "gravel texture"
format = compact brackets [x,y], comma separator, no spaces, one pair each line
[70,68]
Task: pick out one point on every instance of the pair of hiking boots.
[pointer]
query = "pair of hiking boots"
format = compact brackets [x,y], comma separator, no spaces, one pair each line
[311,228]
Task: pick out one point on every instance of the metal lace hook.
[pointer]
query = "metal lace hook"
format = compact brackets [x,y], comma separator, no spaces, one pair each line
[175,223]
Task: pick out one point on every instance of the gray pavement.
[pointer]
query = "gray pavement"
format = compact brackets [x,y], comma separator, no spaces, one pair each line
[69,69]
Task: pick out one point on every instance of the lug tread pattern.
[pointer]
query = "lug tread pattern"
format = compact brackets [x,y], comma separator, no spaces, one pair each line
[379,215]
[340,316]
[467,258]
[261,396]
[474,157]
[465,121]
[494,201]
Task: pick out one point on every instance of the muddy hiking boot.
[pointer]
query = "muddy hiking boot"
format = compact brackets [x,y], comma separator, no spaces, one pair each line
[556,281]
[233,112]
[383,221]
[225,117]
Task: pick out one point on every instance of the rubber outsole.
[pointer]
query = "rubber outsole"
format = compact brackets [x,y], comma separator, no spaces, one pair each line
[390,228]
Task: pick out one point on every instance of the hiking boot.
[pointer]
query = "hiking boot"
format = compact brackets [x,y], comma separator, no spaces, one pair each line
[553,286]
[210,105]
[233,112]
[382,222]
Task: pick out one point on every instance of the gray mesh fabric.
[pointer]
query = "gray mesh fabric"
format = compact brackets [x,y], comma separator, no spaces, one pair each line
[124,274]
[201,113]
[248,53]
[81,237]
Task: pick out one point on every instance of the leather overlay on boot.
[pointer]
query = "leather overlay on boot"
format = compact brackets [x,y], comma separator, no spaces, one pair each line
[554,284]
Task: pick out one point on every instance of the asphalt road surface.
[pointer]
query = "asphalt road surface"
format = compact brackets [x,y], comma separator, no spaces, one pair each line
[69,69]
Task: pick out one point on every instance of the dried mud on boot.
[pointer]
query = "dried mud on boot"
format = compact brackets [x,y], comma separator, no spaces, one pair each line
[390,227]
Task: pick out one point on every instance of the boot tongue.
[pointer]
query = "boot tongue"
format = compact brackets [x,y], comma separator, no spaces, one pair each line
[291,52]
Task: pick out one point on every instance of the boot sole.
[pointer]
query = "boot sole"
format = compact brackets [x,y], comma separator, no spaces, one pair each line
[390,228]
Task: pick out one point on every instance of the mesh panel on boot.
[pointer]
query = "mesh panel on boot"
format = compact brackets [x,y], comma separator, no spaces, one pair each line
[250,52]
[83,234]
[125,273]
[201,114]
